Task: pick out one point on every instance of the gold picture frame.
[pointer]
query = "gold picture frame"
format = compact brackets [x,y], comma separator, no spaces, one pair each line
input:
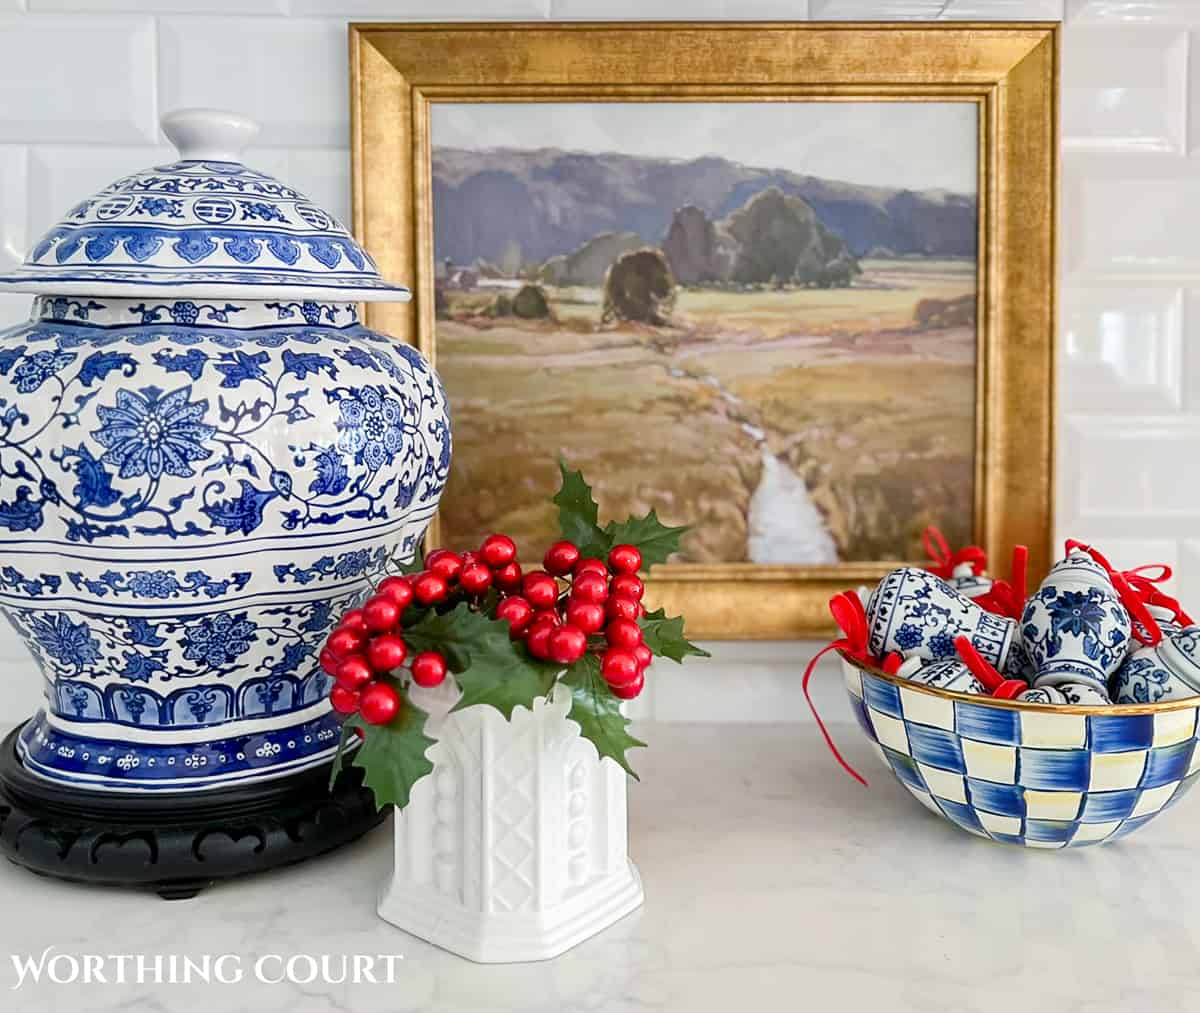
[1010,70]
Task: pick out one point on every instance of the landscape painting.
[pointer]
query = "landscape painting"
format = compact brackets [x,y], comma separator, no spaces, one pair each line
[758,318]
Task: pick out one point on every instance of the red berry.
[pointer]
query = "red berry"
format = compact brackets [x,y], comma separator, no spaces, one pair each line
[379,704]
[587,615]
[593,564]
[329,661]
[507,577]
[549,616]
[623,608]
[498,550]
[380,613]
[619,667]
[475,578]
[623,633]
[354,673]
[428,669]
[537,639]
[343,700]
[429,589]
[354,620]
[444,563]
[399,589]
[629,690]
[625,559]
[567,644]
[344,642]
[626,585]
[386,652]
[643,654]
[515,611]
[540,589]
[470,557]
[590,587]
[561,558]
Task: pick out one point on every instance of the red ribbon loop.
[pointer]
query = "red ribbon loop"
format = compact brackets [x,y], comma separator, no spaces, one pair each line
[942,563]
[1145,629]
[848,612]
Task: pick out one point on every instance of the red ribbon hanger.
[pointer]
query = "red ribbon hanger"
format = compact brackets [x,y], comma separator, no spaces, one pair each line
[942,563]
[1145,629]
[1007,598]
[993,681]
[848,612]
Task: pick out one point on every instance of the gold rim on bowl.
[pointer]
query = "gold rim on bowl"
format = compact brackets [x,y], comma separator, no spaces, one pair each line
[1111,710]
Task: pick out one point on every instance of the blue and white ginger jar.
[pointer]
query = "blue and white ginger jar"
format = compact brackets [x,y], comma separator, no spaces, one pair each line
[204,457]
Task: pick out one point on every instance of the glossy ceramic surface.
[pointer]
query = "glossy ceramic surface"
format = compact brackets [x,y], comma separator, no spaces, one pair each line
[203,226]
[1027,773]
[913,613]
[1074,627]
[193,489]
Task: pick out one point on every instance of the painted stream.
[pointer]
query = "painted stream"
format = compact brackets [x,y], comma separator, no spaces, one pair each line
[784,524]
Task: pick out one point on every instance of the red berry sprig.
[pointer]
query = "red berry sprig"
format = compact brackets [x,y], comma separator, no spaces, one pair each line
[570,607]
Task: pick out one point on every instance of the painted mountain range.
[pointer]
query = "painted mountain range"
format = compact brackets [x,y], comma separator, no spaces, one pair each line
[537,204]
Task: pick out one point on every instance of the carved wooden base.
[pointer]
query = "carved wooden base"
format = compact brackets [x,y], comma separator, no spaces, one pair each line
[176,842]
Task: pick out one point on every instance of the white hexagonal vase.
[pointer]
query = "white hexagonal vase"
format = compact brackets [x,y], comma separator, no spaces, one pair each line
[515,847]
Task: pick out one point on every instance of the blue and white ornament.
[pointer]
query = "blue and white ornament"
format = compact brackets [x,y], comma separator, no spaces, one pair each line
[1074,628]
[916,614]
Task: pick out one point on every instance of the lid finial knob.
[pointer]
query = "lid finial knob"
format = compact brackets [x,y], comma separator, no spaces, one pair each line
[209,135]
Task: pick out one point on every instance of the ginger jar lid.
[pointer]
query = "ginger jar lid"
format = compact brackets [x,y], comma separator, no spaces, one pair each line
[205,225]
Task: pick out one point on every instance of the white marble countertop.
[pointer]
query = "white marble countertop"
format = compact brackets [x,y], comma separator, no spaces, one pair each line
[773,882]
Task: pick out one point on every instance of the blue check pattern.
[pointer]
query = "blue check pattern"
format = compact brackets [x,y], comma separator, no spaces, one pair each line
[1034,776]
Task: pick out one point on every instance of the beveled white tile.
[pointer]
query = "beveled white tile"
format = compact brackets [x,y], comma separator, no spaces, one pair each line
[746,10]
[290,75]
[165,6]
[14,196]
[1004,10]
[748,681]
[423,10]
[1174,11]
[60,176]
[1134,468]
[1125,90]
[874,10]
[1132,227]
[1188,589]
[1121,349]
[76,78]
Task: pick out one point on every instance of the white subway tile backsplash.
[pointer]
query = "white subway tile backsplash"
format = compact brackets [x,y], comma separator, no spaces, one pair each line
[747,10]
[1005,10]
[1137,227]
[14,190]
[290,74]
[757,682]
[1125,94]
[76,78]
[1176,11]
[1121,350]
[164,6]
[422,10]
[874,10]
[1130,468]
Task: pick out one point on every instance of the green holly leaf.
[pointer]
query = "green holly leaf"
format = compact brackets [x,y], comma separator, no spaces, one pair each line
[664,636]
[490,668]
[578,515]
[598,712]
[654,540]
[393,755]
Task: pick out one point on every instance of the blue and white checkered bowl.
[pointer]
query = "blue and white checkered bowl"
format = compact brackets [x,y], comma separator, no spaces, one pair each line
[1023,773]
